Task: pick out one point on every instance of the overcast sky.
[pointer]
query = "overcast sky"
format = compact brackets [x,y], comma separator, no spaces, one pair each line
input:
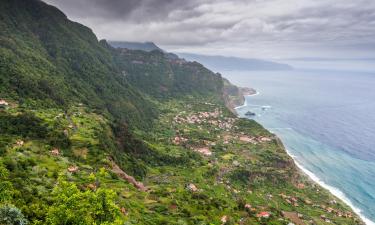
[250,28]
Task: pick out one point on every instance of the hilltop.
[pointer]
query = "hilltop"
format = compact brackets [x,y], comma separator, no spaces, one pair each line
[92,134]
[144,46]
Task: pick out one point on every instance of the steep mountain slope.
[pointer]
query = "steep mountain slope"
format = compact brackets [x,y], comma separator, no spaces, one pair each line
[48,60]
[90,134]
[160,76]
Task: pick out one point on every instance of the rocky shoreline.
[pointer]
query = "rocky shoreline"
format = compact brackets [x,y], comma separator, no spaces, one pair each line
[235,96]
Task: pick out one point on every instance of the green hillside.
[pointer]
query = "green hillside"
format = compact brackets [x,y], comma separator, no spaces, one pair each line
[47,60]
[162,77]
[90,134]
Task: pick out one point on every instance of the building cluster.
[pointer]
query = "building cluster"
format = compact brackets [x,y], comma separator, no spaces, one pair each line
[294,201]
[336,212]
[178,140]
[212,118]
[290,199]
[254,140]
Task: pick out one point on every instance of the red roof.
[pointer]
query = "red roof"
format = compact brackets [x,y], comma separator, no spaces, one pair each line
[263,214]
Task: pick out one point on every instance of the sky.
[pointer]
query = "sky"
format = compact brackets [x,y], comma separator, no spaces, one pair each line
[268,29]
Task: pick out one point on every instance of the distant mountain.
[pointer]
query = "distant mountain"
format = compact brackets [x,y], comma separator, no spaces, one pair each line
[316,59]
[223,63]
[144,46]
[218,63]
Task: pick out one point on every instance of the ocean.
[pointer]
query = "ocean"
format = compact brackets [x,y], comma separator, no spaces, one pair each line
[326,120]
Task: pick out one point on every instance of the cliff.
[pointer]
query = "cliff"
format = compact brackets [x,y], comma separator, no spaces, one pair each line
[235,96]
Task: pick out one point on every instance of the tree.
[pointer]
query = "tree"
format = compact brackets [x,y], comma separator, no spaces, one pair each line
[5,186]
[72,206]
[10,215]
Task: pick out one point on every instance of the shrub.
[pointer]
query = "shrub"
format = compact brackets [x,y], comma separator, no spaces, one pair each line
[10,215]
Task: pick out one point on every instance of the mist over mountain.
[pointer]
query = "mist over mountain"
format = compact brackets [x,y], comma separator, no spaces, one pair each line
[225,63]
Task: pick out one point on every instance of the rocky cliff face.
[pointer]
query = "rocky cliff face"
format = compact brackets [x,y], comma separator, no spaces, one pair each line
[235,96]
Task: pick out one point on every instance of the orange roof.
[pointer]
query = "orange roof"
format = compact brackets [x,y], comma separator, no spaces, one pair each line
[263,214]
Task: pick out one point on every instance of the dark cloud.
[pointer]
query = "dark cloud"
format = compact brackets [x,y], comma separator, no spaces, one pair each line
[239,27]
[96,8]
[141,10]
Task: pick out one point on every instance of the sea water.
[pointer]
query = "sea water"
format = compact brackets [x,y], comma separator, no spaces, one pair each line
[326,120]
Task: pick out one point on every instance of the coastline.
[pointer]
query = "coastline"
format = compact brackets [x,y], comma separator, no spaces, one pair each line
[245,102]
[333,190]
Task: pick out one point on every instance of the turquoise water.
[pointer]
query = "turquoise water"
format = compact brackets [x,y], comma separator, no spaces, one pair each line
[326,120]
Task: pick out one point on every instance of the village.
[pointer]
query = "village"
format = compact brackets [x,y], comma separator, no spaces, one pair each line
[222,143]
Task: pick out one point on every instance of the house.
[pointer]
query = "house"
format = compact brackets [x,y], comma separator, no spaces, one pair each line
[73,169]
[247,139]
[3,104]
[92,187]
[124,211]
[55,152]
[204,150]
[330,210]
[333,202]
[301,186]
[20,143]
[179,140]
[192,187]
[236,163]
[176,140]
[224,219]
[264,139]
[263,215]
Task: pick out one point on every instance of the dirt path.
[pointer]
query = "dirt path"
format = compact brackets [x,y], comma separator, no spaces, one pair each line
[117,170]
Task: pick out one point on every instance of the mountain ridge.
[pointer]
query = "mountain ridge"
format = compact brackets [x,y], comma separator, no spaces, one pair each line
[144,46]
[213,62]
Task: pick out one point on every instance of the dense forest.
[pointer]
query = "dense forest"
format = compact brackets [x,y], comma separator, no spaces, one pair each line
[91,134]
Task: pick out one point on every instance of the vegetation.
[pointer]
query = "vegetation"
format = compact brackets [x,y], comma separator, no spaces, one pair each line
[47,60]
[10,215]
[72,206]
[95,135]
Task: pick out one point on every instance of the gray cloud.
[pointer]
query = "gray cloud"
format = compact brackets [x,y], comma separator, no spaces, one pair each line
[267,28]
[140,10]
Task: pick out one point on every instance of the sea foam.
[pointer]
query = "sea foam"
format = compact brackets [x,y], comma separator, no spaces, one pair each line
[333,190]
